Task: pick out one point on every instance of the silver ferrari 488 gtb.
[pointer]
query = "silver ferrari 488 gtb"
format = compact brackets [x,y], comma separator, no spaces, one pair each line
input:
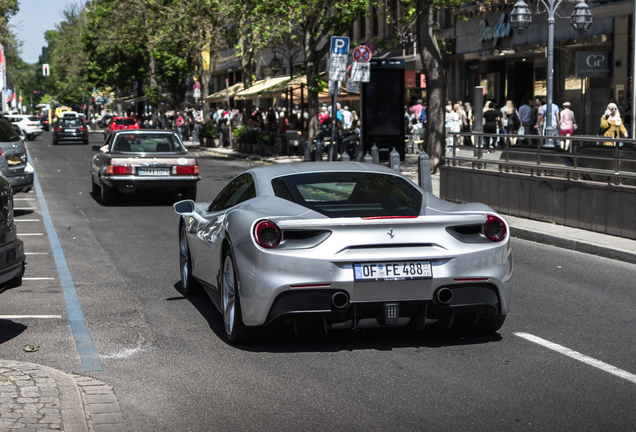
[344,246]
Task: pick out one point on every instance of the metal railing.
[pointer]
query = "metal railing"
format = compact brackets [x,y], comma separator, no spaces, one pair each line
[587,157]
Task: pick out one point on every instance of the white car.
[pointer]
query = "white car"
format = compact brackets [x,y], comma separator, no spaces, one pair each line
[29,125]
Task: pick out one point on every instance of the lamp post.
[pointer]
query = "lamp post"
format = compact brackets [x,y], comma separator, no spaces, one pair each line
[581,20]
[275,64]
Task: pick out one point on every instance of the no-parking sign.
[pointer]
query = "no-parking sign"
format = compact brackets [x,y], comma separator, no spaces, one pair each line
[362,54]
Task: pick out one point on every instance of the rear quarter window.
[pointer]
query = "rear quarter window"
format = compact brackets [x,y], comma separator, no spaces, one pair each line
[7,132]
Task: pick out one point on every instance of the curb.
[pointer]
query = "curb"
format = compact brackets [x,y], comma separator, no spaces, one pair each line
[575,245]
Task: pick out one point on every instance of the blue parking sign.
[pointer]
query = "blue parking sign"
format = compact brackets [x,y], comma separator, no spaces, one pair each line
[339,45]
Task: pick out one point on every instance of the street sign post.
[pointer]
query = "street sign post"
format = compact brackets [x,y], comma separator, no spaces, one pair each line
[361,72]
[339,55]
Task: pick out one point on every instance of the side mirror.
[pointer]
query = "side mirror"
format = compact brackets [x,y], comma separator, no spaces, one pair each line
[184,208]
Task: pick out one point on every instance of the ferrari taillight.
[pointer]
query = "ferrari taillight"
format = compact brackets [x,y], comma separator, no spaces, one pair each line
[495,229]
[120,170]
[185,169]
[267,234]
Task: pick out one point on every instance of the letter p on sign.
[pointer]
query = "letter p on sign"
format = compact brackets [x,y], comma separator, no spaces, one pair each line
[339,45]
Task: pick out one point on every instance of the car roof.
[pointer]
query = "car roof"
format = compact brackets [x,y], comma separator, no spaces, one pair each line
[142,131]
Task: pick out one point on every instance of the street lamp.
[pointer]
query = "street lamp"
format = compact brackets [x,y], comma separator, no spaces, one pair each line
[275,64]
[581,19]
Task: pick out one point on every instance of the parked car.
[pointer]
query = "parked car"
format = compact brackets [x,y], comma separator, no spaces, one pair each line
[70,129]
[13,264]
[29,125]
[119,123]
[343,245]
[132,160]
[14,163]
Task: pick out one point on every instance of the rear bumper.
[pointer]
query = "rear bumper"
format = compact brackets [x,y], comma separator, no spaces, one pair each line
[70,137]
[12,264]
[22,182]
[134,183]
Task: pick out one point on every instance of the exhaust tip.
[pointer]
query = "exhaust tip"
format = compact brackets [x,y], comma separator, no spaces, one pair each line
[444,296]
[340,300]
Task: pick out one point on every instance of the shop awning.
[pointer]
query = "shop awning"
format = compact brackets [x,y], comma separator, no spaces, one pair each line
[259,87]
[323,95]
[221,95]
[292,83]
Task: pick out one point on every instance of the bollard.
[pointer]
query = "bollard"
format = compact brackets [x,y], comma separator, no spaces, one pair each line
[345,157]
[424,172]
[279,147]
[394,158]
[368,158]
[375,154]
[319,145]
[307,151]
[359,152]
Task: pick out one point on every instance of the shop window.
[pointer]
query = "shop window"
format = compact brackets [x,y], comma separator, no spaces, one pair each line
[362,26]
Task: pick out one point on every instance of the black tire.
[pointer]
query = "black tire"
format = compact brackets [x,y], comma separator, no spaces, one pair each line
[107,196]
[95,188]
[189,193]
[85,142]
[190,285]
[30,137]
[54,142]
[235,330]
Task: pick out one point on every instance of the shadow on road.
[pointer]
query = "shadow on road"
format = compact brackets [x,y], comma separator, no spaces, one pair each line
[142,199]
[282,339]
[10,329]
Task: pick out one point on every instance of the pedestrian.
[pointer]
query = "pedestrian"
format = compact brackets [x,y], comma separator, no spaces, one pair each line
[536,109]
[179,123]
[566,125]
[346,118]
[611,124]
[452,124]
[323,115]
[417,108]
[492,116]
[470,118]
[526,116]
[513,122]
[555,117]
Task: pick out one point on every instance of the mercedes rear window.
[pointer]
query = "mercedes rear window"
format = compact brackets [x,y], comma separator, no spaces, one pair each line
[147,143]
[351,194]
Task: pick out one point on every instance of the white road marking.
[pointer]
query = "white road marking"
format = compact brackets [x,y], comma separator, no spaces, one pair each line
[30,316]
[580,357]
[36,253]
[30,234]
[38,278]
[125,353]
[27,220]
[24,199]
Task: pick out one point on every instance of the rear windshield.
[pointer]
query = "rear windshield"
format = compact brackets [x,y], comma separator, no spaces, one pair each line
[125,122]
[7,132]
[33,118]
[351,194]
[71,122]
[147,143]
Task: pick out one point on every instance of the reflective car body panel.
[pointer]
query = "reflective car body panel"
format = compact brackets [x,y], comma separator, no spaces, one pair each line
[70,129]
[14,164]
[12,260]
[318,251]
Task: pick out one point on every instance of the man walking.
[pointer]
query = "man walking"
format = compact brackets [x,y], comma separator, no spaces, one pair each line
[526,115]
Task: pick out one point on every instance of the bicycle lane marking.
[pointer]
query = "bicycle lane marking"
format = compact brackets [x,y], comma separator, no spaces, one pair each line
[580,357]
[83,340]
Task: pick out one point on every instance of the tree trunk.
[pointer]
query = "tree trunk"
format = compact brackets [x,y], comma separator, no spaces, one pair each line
[433,64]
[153,89]
[206,75]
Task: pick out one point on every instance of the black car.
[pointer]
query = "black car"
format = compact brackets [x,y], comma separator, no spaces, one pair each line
[70,129]
[12,265]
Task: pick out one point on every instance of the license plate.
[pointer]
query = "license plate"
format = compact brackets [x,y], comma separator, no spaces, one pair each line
[407,270]
[154,171]
[14,160]
[69,130]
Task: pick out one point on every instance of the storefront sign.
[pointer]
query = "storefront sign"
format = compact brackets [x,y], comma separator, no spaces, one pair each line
[494,33]
[593,64]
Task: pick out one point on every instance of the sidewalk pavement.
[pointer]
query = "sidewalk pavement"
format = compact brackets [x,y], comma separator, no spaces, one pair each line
[34,397]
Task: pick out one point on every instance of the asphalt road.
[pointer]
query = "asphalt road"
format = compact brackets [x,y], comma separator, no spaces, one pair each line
[171,368]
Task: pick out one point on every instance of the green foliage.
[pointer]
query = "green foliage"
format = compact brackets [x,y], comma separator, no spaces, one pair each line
[268,138]
[242,135]
[210,131]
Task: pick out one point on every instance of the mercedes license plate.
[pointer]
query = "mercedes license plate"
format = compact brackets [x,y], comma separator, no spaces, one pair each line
[154,171]
[14,160]
[406,270]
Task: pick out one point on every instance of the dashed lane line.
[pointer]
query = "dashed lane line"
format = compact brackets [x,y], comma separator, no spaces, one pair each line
[580,357]
[36,253]
[37,278]
[27,220]
[12,317]
[30,234]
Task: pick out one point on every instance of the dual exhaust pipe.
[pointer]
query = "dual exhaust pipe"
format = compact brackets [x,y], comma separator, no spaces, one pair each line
[443,296]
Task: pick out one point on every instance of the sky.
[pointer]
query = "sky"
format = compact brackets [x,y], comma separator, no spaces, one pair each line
[34,18]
